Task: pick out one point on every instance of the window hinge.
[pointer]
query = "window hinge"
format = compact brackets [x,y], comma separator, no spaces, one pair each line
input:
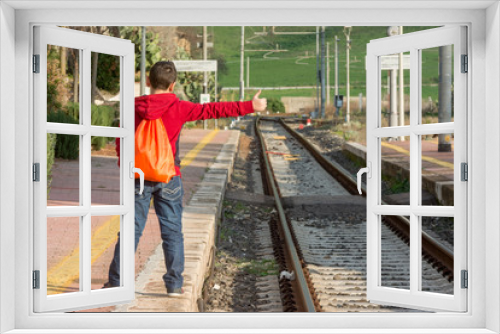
[36,279]
[36,63]
[464,171]
[465,64]
[465,279]
[36,172]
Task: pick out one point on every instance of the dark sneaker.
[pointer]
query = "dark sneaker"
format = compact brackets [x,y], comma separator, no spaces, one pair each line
[175,292]
[109,285]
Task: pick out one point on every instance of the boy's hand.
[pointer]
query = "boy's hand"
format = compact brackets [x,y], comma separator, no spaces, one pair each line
[259,104]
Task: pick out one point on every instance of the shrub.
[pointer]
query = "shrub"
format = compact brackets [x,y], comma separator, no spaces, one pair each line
[153,48]
[102,116]
[108,73]
[67,146]
[51,150]
[275,106]
[73,109]
[190,125]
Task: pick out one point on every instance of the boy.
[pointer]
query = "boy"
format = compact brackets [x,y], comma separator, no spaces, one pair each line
[162,103]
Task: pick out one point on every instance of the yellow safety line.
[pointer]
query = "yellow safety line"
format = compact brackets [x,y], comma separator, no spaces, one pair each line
[194,152]
[61,275]
[67,270]
[429,159]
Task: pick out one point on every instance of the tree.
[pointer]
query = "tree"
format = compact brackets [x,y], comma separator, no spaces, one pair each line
[153,49]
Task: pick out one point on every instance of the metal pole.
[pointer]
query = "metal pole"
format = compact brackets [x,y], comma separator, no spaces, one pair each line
[143,61]
[337,70]
[348,88]
[316,109]
[205,74]
[444,111]
[216,123]
[248,72]
[323,72]
[242,64]
[205,56]
[401,104]
[347,32]
[327,74]
[393,121]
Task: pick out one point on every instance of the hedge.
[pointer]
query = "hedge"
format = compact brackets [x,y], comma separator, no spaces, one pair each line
[102,116]
[67,146]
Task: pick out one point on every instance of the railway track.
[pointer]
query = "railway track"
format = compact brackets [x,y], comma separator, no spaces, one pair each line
[328,253]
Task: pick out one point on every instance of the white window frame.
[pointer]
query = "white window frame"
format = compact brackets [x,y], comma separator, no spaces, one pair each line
[85,43]
[414,43]
[484,50]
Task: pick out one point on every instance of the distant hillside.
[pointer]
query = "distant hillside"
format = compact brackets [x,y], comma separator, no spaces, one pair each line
[282,69]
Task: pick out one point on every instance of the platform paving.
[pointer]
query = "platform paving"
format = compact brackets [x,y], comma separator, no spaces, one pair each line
[437,167]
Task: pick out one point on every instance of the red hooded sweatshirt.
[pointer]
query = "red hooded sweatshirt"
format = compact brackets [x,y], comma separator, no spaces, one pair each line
[174,113]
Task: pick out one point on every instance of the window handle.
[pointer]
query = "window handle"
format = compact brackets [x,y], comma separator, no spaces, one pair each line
[134,170]
[368,172]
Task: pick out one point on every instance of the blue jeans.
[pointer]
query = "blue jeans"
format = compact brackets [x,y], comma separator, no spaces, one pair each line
[168,207]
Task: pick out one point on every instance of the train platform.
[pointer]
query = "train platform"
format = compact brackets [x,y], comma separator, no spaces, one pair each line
[437,167]
[206,164]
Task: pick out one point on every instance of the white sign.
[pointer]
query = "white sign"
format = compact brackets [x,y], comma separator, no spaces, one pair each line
[204,98]
[195,65]
[392,62]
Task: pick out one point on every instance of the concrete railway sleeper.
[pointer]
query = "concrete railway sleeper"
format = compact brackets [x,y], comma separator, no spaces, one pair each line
[330,250]
[439,256]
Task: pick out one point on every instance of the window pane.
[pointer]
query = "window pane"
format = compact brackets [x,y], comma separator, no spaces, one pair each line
[105,231]
[395,255]
[391,100]
[437,169]
[437,277]
[63,85]
[63,255]
[63,170]
[437,85]
[105,97]
[395,169]
[105,172]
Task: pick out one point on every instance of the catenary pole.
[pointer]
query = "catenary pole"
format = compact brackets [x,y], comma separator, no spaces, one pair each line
[393,121]
[327,74]
[323,72]
[347,32]
[316,109]
[248,72]
[337,70]
[216,124]
[242,64]
[444,109]
[205,74]
[401,103]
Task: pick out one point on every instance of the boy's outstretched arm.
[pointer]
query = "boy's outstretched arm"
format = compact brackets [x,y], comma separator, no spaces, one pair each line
[197,111]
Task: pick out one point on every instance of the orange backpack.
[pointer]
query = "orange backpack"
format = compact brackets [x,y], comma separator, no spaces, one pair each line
[153,153]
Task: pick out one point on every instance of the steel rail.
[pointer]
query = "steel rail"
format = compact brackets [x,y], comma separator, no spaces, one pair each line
[305,294]
[430,246]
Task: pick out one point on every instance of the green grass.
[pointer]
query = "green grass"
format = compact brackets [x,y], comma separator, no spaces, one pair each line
[231,95]
[239,207]
[260,268]
[284,71]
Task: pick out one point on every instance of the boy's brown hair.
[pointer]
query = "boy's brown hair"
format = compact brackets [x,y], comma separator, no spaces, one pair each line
[162,75]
